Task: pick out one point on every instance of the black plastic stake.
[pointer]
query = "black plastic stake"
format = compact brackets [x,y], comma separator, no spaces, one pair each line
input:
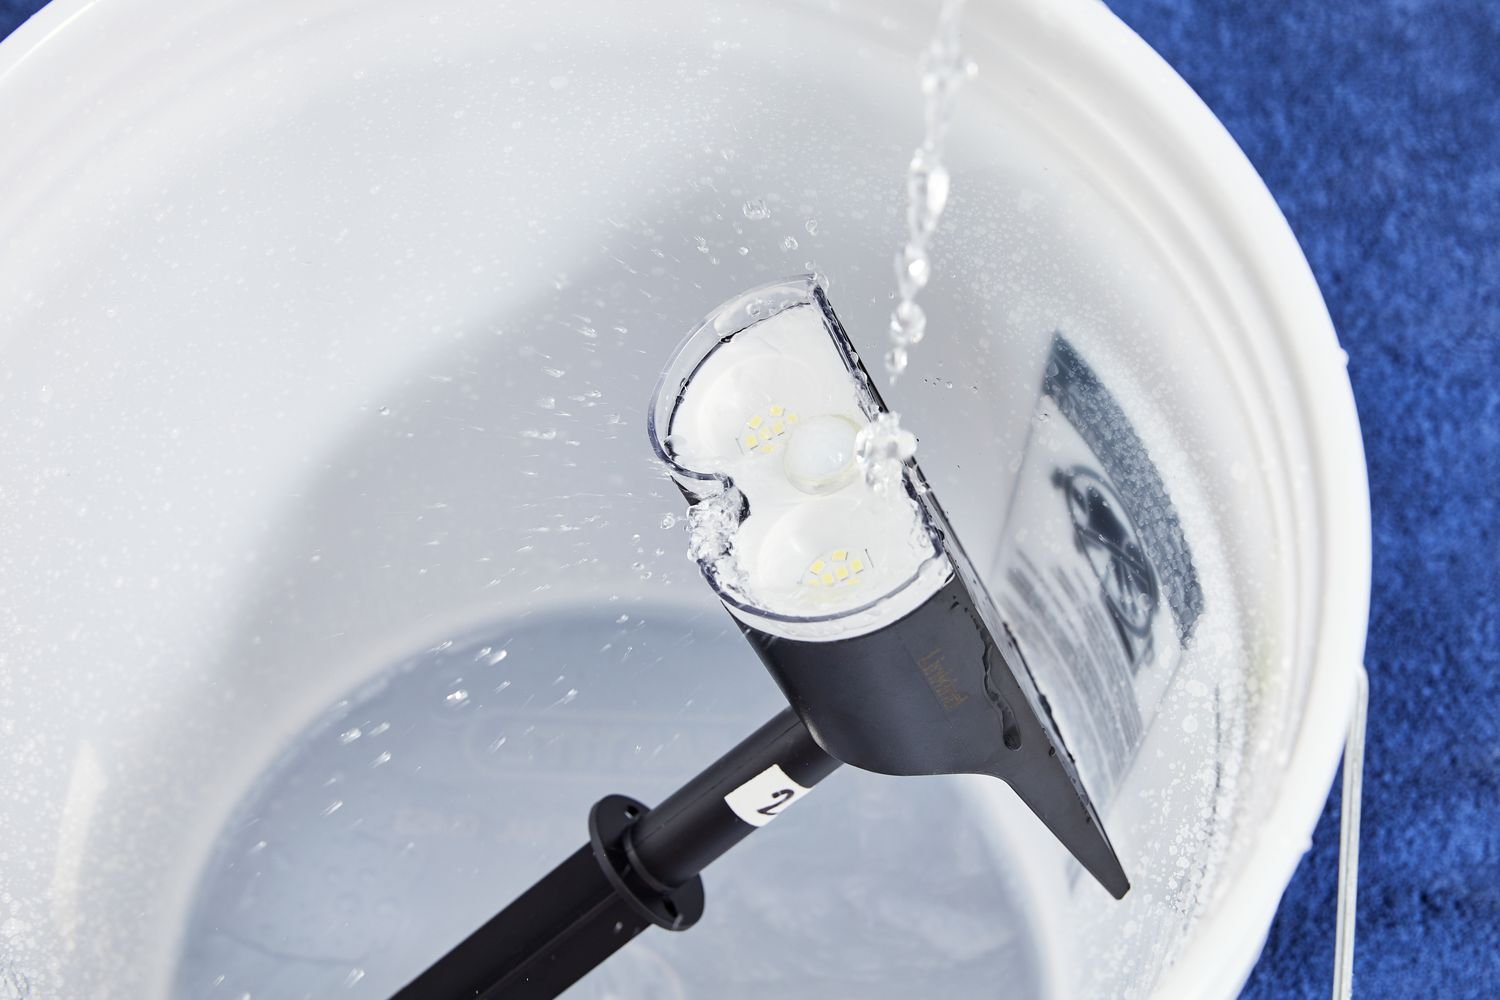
[639,868]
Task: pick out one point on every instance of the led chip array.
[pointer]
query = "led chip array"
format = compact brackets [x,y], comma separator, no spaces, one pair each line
[836,569]
[763,429]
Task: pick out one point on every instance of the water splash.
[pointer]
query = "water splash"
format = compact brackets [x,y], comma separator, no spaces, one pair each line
[712,525]
[882,447]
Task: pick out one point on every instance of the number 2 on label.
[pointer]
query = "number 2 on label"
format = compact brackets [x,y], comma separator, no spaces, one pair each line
[780,798]
[765,796]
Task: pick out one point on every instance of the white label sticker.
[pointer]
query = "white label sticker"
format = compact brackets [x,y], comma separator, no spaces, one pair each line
[765,796]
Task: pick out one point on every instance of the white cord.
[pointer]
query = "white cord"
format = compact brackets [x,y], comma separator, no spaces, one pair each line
[1354,765]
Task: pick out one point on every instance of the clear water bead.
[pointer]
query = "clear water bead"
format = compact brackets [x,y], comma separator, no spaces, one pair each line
[913,269]
[908,324]
[927,190]
[883,447]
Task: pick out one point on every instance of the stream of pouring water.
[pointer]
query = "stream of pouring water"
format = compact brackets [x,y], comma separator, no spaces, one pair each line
[884,445]
[944,70]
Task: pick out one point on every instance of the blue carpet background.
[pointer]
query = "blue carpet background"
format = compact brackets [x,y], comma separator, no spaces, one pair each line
[1377,127]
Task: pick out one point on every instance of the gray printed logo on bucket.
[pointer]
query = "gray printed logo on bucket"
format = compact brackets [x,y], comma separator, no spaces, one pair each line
[1103,532]
[1082,575]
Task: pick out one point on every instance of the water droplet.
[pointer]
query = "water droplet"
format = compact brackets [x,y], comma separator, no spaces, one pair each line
[669,521]
[701,243]
[913,269]
[744,251]
[908,324]
[756,209]
[790,243]
[927,189]
[457,698]
[257,847]
[333,807]
[385,411]
[354,976]
[380,729]
[350,735]
[883,446]
[811,225]
[383,758]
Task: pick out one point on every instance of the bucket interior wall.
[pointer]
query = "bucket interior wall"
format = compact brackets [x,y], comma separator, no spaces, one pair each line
[338,580]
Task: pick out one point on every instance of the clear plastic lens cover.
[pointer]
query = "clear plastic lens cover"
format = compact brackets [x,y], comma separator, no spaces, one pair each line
[756,417]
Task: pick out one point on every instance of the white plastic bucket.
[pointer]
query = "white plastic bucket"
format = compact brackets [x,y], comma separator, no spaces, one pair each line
[326,332]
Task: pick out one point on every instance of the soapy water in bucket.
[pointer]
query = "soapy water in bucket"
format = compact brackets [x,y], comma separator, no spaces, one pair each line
[414,809]
[1180,791]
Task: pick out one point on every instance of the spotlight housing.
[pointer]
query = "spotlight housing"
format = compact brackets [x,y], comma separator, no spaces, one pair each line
[859,600]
